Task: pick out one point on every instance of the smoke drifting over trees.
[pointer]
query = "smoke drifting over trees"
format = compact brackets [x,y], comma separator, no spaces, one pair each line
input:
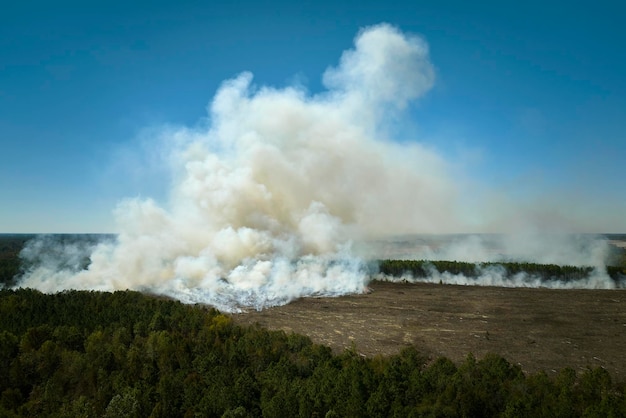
[268,196]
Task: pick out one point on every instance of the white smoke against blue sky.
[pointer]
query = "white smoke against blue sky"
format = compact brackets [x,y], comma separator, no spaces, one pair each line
[270,192]
[525,103]
[267,197]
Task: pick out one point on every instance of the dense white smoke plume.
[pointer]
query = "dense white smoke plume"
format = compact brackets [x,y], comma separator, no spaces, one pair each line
[268,197]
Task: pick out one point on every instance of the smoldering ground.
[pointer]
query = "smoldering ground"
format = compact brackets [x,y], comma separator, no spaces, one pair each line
[271,194]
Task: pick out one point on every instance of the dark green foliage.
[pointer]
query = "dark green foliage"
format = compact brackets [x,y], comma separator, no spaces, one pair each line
[10,247]
[618,273]
[617,256]
[126,354]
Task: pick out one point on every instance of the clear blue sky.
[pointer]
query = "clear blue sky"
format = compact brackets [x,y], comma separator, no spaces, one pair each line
[529,97]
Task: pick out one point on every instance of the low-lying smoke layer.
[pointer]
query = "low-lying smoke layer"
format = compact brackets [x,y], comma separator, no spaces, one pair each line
[268,196]
[579,250]
[541,248]
[497,276]
[503,274]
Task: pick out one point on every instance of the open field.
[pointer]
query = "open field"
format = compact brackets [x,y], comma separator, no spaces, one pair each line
[536,328]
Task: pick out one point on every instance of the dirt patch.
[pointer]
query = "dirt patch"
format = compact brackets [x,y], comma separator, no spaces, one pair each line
[536,328]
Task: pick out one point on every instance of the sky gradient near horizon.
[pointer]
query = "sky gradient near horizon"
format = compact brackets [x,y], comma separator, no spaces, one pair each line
[529,100]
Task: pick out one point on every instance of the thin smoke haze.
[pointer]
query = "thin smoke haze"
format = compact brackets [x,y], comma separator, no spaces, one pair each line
[268,198]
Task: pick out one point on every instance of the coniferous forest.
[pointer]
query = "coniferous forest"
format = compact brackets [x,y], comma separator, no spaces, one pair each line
[84,354]
[126,354]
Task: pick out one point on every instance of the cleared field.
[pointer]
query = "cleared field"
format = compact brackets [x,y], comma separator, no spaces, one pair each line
[537,328]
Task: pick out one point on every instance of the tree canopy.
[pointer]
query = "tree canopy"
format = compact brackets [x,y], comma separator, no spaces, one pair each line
[127,354]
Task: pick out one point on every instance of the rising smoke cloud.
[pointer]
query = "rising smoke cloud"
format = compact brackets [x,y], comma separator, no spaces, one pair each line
[269,196]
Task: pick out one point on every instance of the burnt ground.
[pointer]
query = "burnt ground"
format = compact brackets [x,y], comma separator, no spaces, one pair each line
[536,328]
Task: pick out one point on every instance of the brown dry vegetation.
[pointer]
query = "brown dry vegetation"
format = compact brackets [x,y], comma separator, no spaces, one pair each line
[535,328]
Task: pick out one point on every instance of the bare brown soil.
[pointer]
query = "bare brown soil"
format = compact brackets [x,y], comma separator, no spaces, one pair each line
[535,328]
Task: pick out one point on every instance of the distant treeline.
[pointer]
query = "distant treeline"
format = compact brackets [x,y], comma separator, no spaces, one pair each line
[544,272]
[124,354]
[12,244]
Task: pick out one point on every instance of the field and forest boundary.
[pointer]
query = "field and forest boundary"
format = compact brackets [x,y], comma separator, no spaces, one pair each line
[401,350]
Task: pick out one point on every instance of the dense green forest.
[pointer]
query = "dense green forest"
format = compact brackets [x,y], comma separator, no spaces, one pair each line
[94,354]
